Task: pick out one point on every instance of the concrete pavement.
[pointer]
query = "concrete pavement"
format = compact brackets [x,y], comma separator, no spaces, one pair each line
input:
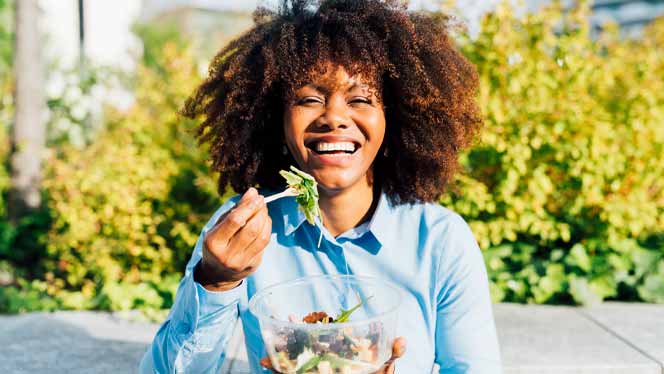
[611,338]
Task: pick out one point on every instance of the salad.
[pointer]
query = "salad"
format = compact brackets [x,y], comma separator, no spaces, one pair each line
[305,187]
[333,351]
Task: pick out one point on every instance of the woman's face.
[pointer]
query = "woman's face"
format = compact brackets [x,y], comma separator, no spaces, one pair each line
[334,127]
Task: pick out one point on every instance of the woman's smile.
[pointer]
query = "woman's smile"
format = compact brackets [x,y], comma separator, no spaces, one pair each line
[334,127]
[333,150]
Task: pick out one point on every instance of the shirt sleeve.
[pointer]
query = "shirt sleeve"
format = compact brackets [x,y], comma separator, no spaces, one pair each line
[466,340]
[199,324]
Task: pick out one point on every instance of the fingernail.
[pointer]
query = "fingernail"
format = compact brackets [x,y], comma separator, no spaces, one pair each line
[247,195]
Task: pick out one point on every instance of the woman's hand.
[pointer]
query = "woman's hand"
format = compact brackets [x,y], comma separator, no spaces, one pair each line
[398,350]
[234,247]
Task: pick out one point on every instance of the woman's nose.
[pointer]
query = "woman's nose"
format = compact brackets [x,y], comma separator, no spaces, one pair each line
[335,115]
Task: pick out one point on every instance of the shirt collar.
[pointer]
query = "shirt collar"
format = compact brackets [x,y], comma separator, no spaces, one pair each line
[377,226]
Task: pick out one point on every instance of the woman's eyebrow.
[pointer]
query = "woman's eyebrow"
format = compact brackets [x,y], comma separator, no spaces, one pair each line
[324,89]
[362,86]
[319,88]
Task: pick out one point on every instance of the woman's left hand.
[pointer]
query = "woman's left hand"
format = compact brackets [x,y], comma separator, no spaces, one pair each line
[398,350]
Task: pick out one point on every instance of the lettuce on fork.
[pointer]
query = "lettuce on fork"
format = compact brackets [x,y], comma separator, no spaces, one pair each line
[304,188]
[307,193]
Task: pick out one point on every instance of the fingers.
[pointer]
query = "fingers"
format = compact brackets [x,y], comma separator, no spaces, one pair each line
[398,350]
[265,362]
[257,247]
[252,230]
[248,246]
[245,199]
[239,216]
[398,347]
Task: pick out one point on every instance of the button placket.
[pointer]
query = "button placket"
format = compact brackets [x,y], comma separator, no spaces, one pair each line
[340,261]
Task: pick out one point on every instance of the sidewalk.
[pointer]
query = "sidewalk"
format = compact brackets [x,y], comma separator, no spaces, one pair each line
[612,338]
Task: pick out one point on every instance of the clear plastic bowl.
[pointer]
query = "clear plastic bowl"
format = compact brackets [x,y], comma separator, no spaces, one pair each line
[359,346]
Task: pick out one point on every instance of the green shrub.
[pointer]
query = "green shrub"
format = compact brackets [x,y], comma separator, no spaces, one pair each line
[565,192]
[127,209]
[6,86]
[27,296]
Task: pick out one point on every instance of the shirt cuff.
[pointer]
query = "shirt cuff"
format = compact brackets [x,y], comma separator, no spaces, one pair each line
[196,307]
[210,302]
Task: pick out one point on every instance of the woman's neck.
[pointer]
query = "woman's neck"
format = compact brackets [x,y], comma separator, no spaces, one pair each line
[343,210]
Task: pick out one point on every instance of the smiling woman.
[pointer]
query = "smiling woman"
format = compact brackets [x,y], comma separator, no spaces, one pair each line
[405,60]
[375,103]
[334,127]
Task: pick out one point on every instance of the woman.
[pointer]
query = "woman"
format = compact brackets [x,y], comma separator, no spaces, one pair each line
[375,103]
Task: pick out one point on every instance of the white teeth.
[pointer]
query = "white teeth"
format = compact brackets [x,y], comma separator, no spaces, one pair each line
[339,146]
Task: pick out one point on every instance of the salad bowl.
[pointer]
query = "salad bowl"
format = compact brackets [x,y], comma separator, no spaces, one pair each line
[328,324]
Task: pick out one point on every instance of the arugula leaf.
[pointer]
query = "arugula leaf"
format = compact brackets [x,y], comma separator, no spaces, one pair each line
[307,190]
[345,314]
[312,363]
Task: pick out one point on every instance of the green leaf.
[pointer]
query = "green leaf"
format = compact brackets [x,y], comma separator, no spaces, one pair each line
[644,260]
[579,257]
[550,284]
[603,286]
[291,178]
[581,291]
[345,314]
[652,289]
[312,363]
[306,187]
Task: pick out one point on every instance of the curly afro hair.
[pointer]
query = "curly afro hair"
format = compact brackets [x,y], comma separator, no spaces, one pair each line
[428,90]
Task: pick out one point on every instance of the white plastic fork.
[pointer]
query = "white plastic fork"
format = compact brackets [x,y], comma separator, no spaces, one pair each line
[287,192]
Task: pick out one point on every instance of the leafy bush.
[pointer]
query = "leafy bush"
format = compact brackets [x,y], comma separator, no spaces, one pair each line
[127,209]
[122,213]
[565,192]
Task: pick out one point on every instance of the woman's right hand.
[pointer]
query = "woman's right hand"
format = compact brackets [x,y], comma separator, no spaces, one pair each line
[234,247]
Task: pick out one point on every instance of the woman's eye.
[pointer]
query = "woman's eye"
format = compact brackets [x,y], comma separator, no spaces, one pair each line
[310,100]
[360,100]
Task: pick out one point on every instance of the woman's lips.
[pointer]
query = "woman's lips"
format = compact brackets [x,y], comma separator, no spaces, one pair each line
[333,159]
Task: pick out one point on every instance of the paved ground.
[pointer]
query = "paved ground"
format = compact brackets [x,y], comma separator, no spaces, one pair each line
[612,338]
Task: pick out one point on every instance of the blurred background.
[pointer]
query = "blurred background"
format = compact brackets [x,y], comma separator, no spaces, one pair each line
[104,190]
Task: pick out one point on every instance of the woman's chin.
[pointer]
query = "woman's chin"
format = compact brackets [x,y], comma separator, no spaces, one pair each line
[333,179]
[331,185]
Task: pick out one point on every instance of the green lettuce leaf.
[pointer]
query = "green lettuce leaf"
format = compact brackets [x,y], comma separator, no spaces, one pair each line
[307,192]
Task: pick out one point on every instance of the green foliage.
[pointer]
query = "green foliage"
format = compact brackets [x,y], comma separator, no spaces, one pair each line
[123,212]
[6,37]
[7,231]
[27,297]
[74,116]
[565,191]
[154,37]
[127,209]
[6,104]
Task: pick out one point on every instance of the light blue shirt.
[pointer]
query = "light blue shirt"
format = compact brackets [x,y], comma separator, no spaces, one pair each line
[426,249]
